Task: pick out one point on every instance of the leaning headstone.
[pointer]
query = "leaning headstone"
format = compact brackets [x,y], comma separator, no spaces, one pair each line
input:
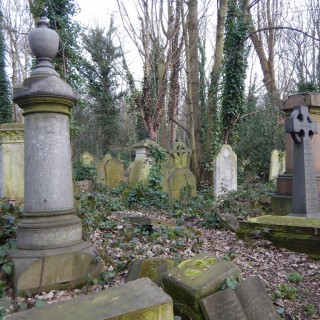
[50,251]
[12,161]
[225,171]
[114,170]
[249,301]
[277,164]
[305,197]
[100,167]
[178,180]
[195,279]
[87,158]
[140,168]
[140,299]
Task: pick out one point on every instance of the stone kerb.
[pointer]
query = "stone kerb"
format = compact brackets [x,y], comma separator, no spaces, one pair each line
[12,161]
[225,171]
[282,201]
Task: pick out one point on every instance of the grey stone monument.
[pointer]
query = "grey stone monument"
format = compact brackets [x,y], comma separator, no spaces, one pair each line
[50,251]
[305,197]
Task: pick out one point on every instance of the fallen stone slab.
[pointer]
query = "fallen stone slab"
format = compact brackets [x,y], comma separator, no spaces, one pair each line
[195,279]
[141,299]
[297,234]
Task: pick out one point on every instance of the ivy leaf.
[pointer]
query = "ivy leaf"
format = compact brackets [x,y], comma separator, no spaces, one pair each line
[280,310]
[40,303]
[7,268]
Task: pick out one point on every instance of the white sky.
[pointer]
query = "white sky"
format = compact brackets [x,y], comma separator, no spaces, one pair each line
[99,12]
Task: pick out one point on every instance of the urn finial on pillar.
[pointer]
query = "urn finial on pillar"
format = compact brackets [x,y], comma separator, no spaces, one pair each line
[51,253]
[44,44]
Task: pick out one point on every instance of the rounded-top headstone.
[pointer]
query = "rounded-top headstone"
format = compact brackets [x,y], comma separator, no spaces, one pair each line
[44,42]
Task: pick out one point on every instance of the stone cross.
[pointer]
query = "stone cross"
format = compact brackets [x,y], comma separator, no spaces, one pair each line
[305,197]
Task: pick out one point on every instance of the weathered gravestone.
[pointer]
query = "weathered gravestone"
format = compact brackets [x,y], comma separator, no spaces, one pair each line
[136,300]
[87,158]
[178,180]
[12,161]
[277,164]
[305,197]
[50,250]
[100,167]
[225,171]
[249,301]
[140,168]
[114,170]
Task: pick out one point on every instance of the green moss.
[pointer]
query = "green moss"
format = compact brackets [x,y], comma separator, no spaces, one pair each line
[198,264]
[185,263]
[287,221]
[192,273]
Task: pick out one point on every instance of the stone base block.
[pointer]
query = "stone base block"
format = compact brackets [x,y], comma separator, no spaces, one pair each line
[194,279]
[298,234]
[139,300]
[281,205]
[60,268]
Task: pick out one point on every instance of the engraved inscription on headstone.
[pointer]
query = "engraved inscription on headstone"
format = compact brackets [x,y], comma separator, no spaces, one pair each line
[305,197]
[249,300]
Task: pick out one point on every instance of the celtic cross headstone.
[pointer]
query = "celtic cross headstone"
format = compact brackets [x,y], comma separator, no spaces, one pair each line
[305,197]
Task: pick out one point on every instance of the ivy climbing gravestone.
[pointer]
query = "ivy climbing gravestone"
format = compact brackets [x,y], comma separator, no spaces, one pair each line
[305,197]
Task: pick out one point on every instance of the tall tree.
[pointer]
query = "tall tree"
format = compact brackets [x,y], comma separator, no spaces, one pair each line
[155,42]
[100,73]
[5,103]
[191,37]
[61,15]
[213,134]
[235,66]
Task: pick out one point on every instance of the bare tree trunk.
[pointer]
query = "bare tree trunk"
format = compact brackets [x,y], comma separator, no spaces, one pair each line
[174,75]
[266,63]
[192,67]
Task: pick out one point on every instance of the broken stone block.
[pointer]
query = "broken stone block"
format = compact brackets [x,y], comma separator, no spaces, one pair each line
[151,268]
[194,279]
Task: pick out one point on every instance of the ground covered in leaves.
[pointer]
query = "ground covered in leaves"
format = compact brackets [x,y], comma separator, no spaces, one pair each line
[293,280]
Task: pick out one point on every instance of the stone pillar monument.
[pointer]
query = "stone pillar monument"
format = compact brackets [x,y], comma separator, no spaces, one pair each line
[282,200]
[51,253]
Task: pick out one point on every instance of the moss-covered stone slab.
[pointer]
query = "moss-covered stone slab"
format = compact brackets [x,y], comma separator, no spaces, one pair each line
[151,268]
[139,300]
[197,278]
[298,234]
